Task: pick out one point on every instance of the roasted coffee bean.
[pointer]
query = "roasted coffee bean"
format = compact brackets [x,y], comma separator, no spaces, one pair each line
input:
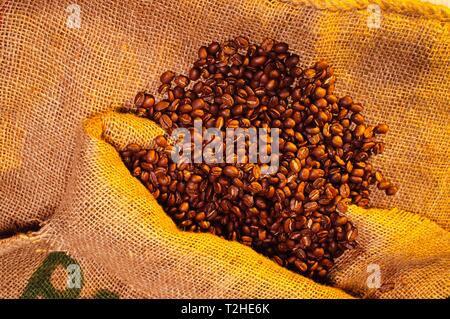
[182,81]
[294,215]
[165,121]
[381,129]
[356,108]
[320,92]
[337,141]
[161,141]
[391,190]
[254,188]
[231,171]
[281,47]
[295,165]
[344,190]
[301,266]
[345,101]
[167,77]
[161,106]
[139,99]
[252,101]
[148,101]
[213,48]
[357,118]
[309,73]
[242,42]
[194,74]
[133,148]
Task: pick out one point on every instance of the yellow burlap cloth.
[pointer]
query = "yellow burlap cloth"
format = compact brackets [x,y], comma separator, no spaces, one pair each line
[72,181]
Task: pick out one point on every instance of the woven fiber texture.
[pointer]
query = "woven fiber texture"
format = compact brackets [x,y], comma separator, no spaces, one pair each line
[52,171]
[110,217]
[121,221]
[128,247]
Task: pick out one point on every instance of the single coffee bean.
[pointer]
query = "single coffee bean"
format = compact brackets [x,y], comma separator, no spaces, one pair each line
[295,165]
[357,118]
[381,129]
[356,108]
[165,122]
[203,53]
[337,141]
[194,74]
[345,101]
[309,73]
[231,171]
[182,81]
[292,61]
[162,105]
[161,141]
[242,42]
[391,190]
[148,101]
[213,48]
[133,148]
[252,101]
[281,47]
[320,92]
[167,77]
[255,187]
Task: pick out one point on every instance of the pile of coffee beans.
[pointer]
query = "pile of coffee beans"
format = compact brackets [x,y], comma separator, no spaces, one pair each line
[295,215]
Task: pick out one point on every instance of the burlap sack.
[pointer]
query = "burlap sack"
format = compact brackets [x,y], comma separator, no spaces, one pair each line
[72,180]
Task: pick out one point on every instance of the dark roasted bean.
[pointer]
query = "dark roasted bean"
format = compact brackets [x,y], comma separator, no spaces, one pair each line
[167,77]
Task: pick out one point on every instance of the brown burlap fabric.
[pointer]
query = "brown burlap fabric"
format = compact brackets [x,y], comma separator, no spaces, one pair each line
[54,172]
